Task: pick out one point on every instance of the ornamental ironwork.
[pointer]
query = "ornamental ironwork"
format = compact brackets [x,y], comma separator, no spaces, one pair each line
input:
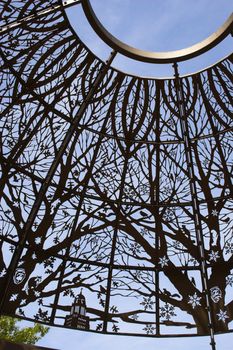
[116,190]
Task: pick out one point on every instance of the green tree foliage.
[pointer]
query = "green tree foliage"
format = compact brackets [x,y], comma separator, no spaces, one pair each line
[9,330]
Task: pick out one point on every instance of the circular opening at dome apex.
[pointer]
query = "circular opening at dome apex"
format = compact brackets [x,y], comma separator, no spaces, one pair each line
[156,25]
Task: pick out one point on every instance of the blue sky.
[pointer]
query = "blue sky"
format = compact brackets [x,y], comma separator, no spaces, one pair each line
[152,25]
[65,339]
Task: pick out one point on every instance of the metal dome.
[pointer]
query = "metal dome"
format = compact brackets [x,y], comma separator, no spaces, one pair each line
[114,184]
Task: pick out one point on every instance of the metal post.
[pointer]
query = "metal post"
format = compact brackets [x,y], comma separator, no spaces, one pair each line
[156,201]
[195,204]
[48,179]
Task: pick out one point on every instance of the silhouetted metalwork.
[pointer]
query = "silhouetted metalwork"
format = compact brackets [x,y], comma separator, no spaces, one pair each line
[115,185]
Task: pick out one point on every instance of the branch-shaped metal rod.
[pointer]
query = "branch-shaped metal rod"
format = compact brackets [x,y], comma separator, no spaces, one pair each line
[32,216]
[157,202]
[46,11]
[195,204]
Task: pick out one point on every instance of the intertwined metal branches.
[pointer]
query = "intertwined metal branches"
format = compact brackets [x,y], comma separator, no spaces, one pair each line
[96,188]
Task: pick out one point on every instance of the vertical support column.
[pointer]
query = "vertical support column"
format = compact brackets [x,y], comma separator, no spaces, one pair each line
[32,216]
[156,210]
[195,204]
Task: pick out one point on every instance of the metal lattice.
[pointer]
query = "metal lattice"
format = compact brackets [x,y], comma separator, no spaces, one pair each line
[116,191]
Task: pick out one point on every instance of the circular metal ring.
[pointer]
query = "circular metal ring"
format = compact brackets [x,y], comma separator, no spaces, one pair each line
[156,57]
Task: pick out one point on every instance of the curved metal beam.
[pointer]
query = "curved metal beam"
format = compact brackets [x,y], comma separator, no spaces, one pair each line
[156,57]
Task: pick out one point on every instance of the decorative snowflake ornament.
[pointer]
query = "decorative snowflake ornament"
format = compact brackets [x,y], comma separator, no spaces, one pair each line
[194,300]
[149,329]
[229,248]
[214,212]
[163,261]
[222,316]
[147,303]
[214,256]
[167,311]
